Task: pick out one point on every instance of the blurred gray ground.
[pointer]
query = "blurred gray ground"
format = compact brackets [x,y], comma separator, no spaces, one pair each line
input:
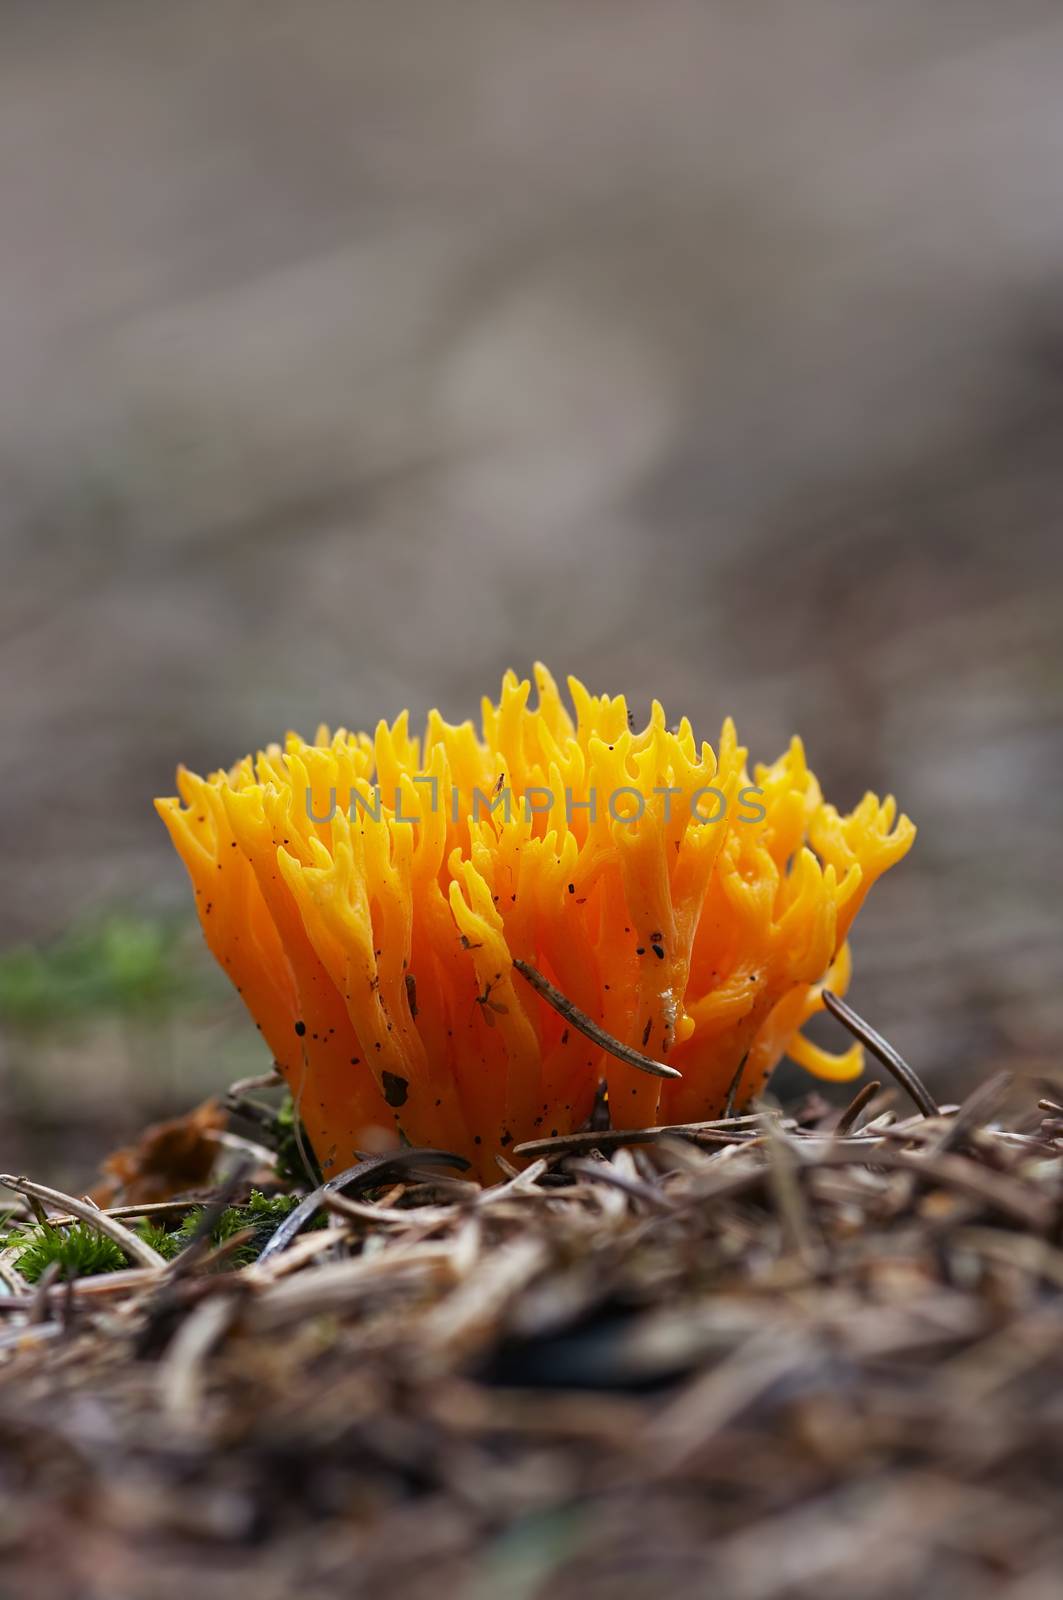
[349,353]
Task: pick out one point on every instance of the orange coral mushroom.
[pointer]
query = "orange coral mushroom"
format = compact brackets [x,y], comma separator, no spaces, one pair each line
[368,897]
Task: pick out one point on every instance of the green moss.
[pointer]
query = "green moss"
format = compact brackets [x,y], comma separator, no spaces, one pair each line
[162,1241]
[80,1250]
[263,1213]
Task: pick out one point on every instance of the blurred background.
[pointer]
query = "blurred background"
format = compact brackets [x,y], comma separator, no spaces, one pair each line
[350,353]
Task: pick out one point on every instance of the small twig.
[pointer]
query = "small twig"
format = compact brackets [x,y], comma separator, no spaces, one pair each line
[729,1130]
[856,1106]
[732,1092]
[297,1126]
[112,1285]
[586,1025]
[425,1216]
[254,1112]
[883,1051]
[38,1311]
[263,1155]
[264,1080]
[154,1208]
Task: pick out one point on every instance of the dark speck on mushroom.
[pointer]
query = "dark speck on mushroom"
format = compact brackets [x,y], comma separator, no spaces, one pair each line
[395,1088]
